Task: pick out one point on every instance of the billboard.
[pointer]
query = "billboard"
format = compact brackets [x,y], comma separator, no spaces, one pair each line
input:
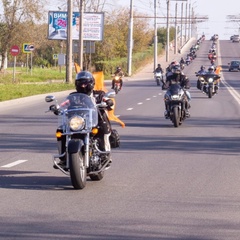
[93,24]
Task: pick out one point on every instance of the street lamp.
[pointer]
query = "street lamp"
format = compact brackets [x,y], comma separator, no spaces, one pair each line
[167,44]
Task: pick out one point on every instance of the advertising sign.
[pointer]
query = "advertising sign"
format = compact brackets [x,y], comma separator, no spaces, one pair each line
[93,24]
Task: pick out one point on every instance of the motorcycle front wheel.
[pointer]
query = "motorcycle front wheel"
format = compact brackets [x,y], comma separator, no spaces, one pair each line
[116,89]
[78,171]
[210,92]
[176,118]
[158,81]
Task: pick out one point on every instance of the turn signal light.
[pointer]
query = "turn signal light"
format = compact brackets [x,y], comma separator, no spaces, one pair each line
[94,131]
[58,134]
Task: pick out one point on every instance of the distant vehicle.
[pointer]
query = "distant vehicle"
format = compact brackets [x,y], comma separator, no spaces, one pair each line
[235,38]
[231,38]
[234,65]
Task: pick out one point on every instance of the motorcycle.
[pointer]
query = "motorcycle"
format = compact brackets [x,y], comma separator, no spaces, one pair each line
[200,80]
[182,65]
[117,86]
[158,77]
[209,84]
[78,138]
[176,100]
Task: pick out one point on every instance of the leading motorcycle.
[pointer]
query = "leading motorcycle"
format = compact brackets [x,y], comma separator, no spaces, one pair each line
[176,101]
[78,138]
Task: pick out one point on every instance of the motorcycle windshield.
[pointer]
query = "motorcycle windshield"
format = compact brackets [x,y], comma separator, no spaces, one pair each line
[80,105]
[174,89]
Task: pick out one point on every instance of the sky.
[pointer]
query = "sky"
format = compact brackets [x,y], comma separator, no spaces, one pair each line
[216,11]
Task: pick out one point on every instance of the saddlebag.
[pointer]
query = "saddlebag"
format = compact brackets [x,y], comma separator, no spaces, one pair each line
[114,139]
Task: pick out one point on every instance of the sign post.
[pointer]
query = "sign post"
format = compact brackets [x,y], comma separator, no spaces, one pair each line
[14,52]
[28,48]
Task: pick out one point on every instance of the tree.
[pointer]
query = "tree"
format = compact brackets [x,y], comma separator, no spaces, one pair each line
[14,14]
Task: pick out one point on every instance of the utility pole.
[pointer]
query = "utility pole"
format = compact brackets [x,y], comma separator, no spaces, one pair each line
[69,44]
[130,39]
[176,32]
[181,39]
[167,42]
[81,35]
[155,35]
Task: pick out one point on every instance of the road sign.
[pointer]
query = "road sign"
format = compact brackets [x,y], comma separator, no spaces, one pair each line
[55,56]
[28,48]
[14,50]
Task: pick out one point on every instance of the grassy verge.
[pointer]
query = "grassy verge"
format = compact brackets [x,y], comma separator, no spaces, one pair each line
[29,83]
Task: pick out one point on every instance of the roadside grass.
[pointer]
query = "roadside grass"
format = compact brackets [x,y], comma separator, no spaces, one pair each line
[29,83]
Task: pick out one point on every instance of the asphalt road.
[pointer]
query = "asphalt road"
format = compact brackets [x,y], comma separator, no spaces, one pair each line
[164,183]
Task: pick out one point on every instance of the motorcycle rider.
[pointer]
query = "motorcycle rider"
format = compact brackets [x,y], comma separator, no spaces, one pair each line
[158,69]
[183,81]
[212,70]
[84,83]
[202,71]
[119,73]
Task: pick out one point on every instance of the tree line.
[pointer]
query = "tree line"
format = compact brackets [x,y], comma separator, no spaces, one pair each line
[22,22]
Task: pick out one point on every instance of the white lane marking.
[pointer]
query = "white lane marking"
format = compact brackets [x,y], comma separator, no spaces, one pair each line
[129,109]
[154,96]
[148,99]
[140,103]
[14,163]
[232,91]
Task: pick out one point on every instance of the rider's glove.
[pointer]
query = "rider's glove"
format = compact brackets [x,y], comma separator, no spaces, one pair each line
[109,103]
[54,109]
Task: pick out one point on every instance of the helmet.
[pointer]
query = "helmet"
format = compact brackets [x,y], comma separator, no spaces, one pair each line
[84,82]
[177,70]
[202,68]
[159,65]
[118,69]
[211,69]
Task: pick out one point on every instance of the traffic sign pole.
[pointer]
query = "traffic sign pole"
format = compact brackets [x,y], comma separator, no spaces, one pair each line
[14,52]
[14,69]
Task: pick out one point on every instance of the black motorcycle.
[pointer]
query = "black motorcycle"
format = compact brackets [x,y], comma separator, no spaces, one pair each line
[79,143]
[176,104]
[209,84]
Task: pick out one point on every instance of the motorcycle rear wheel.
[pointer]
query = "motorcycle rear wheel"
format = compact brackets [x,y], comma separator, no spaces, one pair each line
[78,171]
[176,118]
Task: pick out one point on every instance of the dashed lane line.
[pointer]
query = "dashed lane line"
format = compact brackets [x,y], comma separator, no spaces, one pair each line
[13,164]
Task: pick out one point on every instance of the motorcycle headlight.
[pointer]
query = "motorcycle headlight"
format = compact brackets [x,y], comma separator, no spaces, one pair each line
[117,78]
[210,80]
[76,123]
[175,97]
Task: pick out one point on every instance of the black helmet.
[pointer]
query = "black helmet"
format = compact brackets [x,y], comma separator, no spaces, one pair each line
[159,65]
[84,82]
[176,70]
[118,69]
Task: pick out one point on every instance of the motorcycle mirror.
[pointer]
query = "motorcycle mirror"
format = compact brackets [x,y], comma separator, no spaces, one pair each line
[49,98]
[110,94]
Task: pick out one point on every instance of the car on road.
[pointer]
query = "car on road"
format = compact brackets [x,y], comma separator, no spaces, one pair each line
[235,38]
[234,65]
